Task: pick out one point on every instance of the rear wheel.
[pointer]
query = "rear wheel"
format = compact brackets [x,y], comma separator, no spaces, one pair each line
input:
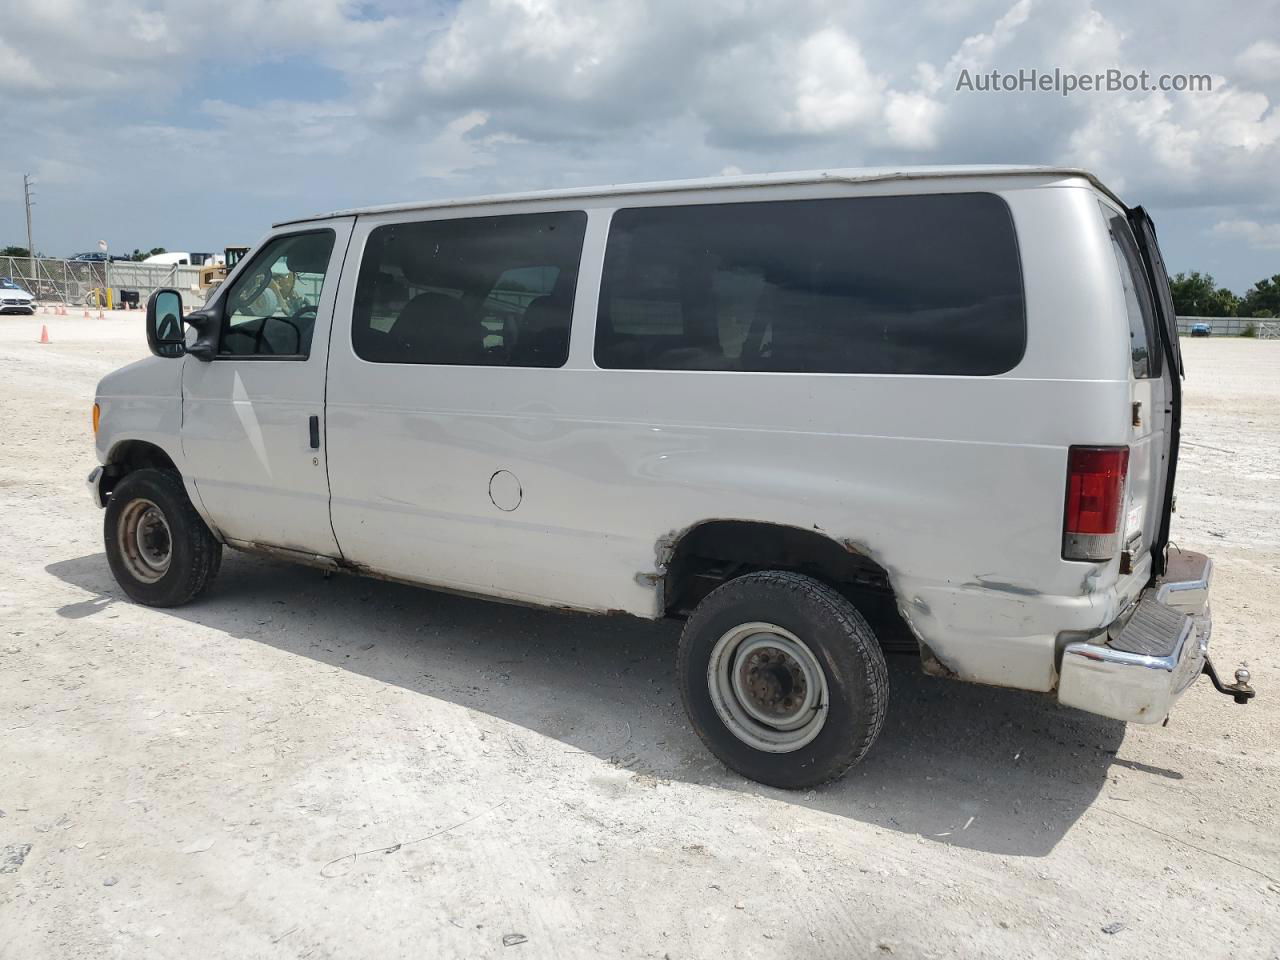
[161,552]
[782,679]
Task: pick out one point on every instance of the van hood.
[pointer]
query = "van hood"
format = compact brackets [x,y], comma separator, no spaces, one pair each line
[148,377]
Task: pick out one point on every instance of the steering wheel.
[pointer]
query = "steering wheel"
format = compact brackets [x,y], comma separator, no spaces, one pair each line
[263,346]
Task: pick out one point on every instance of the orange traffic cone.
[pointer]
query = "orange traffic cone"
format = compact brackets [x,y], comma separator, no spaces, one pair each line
[99,314]
[86,313]
[44,334]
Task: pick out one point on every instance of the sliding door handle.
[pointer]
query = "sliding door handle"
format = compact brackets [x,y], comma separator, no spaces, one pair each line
[314,426]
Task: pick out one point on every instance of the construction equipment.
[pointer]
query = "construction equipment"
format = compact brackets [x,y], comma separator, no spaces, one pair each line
[212,275]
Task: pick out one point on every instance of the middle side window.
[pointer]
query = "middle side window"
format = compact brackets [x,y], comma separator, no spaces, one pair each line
[479,291]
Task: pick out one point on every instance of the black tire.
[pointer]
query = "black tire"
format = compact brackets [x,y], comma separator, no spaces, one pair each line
[194,552]
[842,644]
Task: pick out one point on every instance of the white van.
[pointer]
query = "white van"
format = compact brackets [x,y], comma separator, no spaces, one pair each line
[818,416]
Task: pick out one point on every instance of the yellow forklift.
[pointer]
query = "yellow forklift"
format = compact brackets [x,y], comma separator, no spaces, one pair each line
[211,276]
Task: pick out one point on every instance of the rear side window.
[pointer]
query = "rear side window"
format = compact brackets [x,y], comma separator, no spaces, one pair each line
[1137,296]
[894,285]
[483,291]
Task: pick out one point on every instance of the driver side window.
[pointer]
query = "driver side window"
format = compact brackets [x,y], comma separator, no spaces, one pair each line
[271,308]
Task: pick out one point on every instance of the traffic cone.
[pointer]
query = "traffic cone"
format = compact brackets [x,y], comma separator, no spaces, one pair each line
[100,315]
[44,334]
[86,313]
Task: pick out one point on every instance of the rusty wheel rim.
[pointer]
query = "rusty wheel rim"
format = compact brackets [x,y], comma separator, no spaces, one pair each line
[145,542]
[768,687]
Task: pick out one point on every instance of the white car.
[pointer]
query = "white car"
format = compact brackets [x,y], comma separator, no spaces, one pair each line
[14,298]
[819,417]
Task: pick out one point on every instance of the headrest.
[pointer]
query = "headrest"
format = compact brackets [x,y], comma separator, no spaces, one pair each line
[544,313]
[438,309]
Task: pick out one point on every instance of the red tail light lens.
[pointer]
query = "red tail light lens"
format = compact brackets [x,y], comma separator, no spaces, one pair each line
[1095,492]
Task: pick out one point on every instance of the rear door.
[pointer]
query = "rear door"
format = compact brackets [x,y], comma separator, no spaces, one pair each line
[1167,323]
[1149,396]
[253,417]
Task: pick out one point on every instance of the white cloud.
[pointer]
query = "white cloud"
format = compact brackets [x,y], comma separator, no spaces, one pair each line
[1089,44]
[462,146]
[976,52]
[912,120]
[833,89]
[17,73]
[1265,236]
[1260,61]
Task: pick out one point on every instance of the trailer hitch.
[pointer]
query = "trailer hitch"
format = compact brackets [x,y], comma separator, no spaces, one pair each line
[1240,691]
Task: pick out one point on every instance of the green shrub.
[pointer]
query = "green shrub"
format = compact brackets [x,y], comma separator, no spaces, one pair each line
[1250,331]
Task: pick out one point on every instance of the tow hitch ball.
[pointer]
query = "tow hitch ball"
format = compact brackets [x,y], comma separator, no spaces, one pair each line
[1240,691]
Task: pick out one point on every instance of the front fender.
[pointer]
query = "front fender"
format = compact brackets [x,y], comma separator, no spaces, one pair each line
[141,402]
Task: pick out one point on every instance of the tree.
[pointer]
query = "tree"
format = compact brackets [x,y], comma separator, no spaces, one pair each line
[1262,299]
[1198,295]
[12,251]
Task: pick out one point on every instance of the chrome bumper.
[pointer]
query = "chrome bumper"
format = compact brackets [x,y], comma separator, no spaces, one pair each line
[94,483]
[1137,668]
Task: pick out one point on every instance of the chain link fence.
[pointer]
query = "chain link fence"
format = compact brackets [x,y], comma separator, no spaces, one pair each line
[1230,326]
[86,282]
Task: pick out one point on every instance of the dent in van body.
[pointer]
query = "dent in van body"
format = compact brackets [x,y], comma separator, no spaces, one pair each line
[982,581]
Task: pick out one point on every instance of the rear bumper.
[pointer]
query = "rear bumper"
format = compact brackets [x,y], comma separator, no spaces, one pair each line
[1137,668]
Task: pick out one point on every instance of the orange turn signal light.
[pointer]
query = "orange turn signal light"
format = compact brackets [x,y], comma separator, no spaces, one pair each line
[97,415]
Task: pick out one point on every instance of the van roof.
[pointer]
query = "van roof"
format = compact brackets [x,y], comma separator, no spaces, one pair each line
[847,175]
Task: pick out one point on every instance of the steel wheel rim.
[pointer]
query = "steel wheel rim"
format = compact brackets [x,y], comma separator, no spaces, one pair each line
[145,541]
[768,687]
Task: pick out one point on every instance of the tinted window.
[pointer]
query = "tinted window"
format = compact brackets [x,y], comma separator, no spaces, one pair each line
[271,308]
[485,291]
[904,285]
[1137,296]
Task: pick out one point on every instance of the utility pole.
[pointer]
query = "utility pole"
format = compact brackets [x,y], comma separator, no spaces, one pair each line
[31,247]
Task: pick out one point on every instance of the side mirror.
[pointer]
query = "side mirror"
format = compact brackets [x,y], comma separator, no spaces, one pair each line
[165,334]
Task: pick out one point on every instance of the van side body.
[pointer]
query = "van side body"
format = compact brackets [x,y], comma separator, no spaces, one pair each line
[939,499]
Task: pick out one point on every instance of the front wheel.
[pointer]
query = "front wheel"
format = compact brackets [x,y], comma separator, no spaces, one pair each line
[160,550]
[782,679]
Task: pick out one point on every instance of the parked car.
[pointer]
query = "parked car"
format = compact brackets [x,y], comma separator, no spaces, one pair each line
[14,298]
[1201,330]
[97,257]
[817,417]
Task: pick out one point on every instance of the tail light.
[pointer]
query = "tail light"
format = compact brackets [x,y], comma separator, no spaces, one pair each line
[1095,492]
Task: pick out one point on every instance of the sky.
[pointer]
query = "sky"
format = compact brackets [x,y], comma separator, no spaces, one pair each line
[195,125]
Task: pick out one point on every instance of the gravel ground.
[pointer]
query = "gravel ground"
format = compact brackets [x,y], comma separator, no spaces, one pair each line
[302,767]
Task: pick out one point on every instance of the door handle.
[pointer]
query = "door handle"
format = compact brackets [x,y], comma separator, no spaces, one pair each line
[314,425]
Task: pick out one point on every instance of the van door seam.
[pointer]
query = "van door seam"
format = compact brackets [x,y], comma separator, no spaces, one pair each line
[324,393]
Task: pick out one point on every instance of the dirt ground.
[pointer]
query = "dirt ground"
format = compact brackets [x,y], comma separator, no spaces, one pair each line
[302,767]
